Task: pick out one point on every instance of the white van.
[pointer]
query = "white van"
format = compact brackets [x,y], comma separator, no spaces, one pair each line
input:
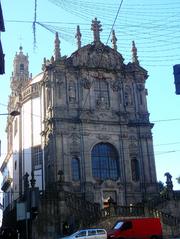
[93,233]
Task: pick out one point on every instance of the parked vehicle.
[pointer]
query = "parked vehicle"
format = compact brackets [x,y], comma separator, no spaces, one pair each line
[136,228]
[93,233]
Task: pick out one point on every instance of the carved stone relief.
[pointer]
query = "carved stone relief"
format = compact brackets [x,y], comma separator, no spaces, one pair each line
[144,117]
[101,103]
[97,55]
[116,85]
[75,144]
[123,135]
[132,138]
[103,137]
[146,135]
[133,149]
[109,184]
[140,87]
[86,83]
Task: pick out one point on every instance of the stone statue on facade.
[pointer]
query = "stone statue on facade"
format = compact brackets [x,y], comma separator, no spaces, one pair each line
[169,181]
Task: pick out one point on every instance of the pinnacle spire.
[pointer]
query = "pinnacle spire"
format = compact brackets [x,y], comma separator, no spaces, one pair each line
[57,49]
[114,41]
[78,37]
[96,28]
[134,53]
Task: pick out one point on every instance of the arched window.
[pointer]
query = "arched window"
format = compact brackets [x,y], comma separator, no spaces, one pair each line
[75,167]
[135,169]
[128,96]
[101,92]
[105,162]
[21,67]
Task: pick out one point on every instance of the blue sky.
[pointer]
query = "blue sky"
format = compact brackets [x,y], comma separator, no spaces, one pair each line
[153,25]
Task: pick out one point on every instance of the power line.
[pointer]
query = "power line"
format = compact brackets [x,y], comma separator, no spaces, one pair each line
[114,21]
[165,120]
[165,144]
[153,121]
[34,24]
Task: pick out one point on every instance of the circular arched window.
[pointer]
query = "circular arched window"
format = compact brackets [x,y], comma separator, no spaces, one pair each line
[105,163]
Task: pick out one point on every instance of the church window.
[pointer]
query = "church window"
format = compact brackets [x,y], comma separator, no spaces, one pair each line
[135,169]
[36,156]
[101,92]
[105,162]
[72,92]
[21,67]
[15,165]
[128,96]
[75,169]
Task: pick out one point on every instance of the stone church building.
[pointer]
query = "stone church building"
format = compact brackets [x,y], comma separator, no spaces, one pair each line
[83,121]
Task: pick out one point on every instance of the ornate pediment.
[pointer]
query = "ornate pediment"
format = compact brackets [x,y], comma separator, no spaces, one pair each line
[139,72]
[109,183]
[97,55]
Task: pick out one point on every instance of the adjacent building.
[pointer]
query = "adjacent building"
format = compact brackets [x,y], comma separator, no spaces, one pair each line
[83,121]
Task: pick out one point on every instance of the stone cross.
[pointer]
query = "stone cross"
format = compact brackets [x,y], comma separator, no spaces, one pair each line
[96,28]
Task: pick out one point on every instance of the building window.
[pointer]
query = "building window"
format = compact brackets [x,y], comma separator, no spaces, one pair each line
[101,92]
[75,165]
[36,157]
[105,162]
[72,92]
[135,169]
[15,164]
[128,96]
[21,67]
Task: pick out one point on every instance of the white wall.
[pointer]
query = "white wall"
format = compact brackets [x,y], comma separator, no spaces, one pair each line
[26,137]
[36,121]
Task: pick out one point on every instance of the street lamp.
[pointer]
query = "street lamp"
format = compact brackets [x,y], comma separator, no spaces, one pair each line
[12,113]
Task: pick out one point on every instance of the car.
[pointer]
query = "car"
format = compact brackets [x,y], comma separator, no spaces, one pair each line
[91,233]
[136,228]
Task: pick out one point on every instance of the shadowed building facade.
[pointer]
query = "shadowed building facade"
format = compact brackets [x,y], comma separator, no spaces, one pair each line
[97,129]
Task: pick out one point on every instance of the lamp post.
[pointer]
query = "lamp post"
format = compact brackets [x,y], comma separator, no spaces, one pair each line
[12,113]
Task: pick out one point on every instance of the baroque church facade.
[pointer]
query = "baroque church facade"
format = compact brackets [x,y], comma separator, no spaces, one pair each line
[83,119]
